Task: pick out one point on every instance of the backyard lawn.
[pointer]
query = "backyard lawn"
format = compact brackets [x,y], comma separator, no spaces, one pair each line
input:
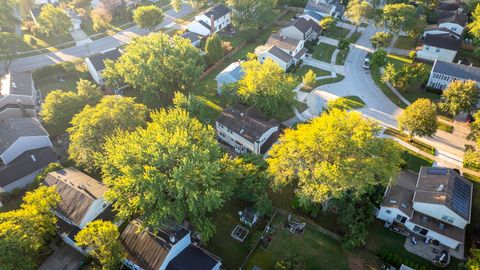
[350,102]
[405,43]
[323,52]
[288,16]
[337,32]
[330,80]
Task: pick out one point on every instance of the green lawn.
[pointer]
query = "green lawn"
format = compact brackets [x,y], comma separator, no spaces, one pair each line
[416,143]
[405,43]
[377,78]
[43,42]
[445,127]
[341,56]
[413,161]
[330,80]
[337,32]
[304,69]
[222,244]
[323,52]
[349,102]
[288,16]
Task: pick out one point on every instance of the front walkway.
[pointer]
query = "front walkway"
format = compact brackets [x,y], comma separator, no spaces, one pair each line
[80,37]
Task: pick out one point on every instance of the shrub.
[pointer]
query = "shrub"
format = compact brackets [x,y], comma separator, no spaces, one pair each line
[412,54]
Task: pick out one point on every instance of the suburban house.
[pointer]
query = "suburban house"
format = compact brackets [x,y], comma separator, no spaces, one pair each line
[17,95]
[231,74]
[212,21]
[442,47]
[326,7]
[437,30]
[20,134]
[283,50]
[445,72]
[302,29]
[166,248]
[194,39]
[96,64]
[246,129]
[451,16]
[311,15]
[435,205]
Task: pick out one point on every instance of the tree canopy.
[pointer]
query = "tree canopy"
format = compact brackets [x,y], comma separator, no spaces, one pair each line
[101,18]
[101,237]
[157,64]
[170,170]
[24,232]
[9,43]
[460,97]
[148,16]
[474,26]
[357,10]
[94,124]
[309,78]
[327,22]
[419,119]
[249,15]
[54,21]
[267,87]
[398,16]
[336,152]
[381,39]
[7,16]
[213,48]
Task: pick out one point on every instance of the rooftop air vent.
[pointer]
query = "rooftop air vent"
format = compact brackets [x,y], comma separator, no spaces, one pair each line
[440,188]
[33,158]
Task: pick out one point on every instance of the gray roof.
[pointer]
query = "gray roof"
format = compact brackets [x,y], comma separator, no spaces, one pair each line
[453,17]
[249,122]
[283,42]
[318,7]
[301,24]
[193,257]
[217,11]
[192,36]
[444,186]
[98,59]
[20,83]
[28,162]
[234,70]
[280,54]
[457,70]
[444,41]
[77,190]
[313,15]
[448,6]
[14,128]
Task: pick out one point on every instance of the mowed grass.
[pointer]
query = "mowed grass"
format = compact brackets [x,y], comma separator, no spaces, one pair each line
[323,52]
[337,32]
[405,43]
[350,102]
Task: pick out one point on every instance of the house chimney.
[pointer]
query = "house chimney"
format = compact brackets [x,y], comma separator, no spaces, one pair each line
[212,23]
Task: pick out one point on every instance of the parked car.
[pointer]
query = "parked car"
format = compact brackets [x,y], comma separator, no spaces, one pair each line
[366,62]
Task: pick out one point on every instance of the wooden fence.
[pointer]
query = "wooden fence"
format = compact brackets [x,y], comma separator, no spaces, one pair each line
[221,61]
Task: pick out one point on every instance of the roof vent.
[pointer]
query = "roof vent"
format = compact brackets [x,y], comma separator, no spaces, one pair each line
[441,226]
[242,114]
[404,205]
[82,186]
[33,158]
[172,238]
[440,188]
[14,85]
[241,131]
[393,201]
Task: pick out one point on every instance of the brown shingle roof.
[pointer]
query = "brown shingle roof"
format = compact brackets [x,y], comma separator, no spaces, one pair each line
[282,42]
[401,195]
[434,225]
[77,192]
[444,41]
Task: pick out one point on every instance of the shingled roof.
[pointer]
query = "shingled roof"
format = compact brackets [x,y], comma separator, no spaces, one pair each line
[452,17]
[13,128]
[282,42]
[17,83]
[217,11]
[98,60]
[77,192]
[444,41]
[457,70]
[249,122]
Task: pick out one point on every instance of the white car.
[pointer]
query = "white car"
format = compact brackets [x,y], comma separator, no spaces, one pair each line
[366,62]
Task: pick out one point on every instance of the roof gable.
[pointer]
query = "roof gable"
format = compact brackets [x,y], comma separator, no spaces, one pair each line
[217,11]
[98,60]
[444,41]
[14,128]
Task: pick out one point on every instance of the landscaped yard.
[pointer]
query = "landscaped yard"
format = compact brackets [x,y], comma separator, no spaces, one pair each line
[350,102]
[337,32]
[405,43]
[288,16]
[323,52]
[330,80]
[413,160]
[416,143]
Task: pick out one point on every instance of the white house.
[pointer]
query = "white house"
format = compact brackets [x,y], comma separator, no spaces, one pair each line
[442,47]
[283,50]
[164,249]
[443,73]
[211,21]
[20,134]
[435,205]
[246,129]
[231,74]
[452,20]
[17,95]
[302,29]
[82,201]
[326,7]
[96,64]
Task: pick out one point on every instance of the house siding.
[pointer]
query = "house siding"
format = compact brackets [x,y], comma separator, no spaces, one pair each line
[219,24]
[439,212]
[95,209]
[441,81]
[23,144]
[431,53]
[389,214]
[434,235]
[93,72]
[453,26]
[239,143]
[21,183]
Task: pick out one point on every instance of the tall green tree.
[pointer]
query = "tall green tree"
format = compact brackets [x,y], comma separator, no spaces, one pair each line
[157,64]
[460,97]
[267,87]
[101,239]
[88,92]
[9,44]
[25,6]
[419,119]
[172,169]
[335,153]
[378,58]
[381,39]
[309,78]
[53,21]
[101,18]
[94,124]
[474,26]
[357,10]
[24,232]
[7,15]
[148,16]
[473,262]
[397,16]
[250,15]
[214,49]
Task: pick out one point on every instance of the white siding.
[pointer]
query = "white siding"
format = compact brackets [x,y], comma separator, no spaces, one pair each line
[441,81]
[265,54]
[22,182]
[95,75]
[95,209]
[432,53]
[390,214]
[436,236]
[292,32]
[452,26]
[219,24]
[23,144]
[175,250]
[440,212]
[239,143]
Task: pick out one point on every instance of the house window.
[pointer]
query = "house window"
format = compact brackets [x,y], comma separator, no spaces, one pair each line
[229,130]
[388,212]
[420,230]
[427,48]
[437,50]
[454,29]
[401,219]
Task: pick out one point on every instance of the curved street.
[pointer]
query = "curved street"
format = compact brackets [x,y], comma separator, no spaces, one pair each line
[125,36]
[358,82]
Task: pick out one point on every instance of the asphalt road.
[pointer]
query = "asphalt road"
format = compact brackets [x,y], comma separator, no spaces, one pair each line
[100,45]
[358,82]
